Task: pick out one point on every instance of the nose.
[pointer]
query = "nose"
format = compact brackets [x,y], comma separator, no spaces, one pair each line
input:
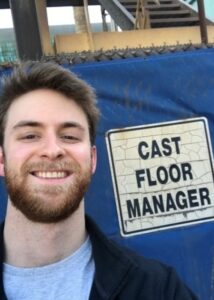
[51,148]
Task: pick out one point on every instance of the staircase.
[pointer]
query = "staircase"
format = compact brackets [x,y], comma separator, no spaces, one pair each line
[169,13]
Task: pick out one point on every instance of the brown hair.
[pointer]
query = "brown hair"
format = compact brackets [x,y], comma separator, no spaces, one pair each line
[30,76]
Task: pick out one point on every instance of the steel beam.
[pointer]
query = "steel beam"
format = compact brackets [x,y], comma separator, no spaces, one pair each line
[28,41]
[31,28]
[70,2]
[41,12]
[55,3]
[119,14]
[202,20]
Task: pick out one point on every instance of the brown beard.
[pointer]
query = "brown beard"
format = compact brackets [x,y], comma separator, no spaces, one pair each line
[31,200]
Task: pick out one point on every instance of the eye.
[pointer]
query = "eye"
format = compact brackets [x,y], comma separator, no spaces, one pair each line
[69,138]
[28,137]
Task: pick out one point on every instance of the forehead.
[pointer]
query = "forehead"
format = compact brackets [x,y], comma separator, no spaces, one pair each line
[45,106]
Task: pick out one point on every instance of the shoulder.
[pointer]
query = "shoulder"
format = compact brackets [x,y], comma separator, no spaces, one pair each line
[152,279]
[138,277]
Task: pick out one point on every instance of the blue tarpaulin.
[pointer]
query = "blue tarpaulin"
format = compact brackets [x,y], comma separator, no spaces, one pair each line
[143,91]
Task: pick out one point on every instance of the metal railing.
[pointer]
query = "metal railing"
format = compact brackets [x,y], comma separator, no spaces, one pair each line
[142,19]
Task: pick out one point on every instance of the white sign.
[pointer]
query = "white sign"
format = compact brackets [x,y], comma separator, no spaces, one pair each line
[162,175]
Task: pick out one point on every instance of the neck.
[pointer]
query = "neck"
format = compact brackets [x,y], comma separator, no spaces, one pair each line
[29,244]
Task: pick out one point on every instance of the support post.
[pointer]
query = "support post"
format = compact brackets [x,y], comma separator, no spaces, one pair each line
[31,28]
[202,20]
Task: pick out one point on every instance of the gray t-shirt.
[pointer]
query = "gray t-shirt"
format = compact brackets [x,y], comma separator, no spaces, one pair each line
[68,279]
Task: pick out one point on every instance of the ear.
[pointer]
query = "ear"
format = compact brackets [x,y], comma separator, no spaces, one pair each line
[93,158]
[1,162]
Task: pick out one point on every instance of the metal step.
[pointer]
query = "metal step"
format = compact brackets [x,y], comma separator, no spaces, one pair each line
[161,2]
[155,7]
[128,2]
[169,14]
[164,7]
[124,2]
[174,22]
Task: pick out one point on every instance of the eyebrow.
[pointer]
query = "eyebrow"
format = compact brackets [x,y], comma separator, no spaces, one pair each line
[26,124]
[64,125]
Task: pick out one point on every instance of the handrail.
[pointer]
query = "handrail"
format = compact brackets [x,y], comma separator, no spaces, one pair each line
[118,12]
[90,36]
[142,16]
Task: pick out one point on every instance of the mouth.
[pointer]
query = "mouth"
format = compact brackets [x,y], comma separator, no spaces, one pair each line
[51,174]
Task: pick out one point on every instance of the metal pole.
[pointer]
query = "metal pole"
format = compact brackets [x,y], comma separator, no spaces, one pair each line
[26,28]
[202,20]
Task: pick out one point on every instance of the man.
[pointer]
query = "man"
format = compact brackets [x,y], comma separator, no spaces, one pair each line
[49,249]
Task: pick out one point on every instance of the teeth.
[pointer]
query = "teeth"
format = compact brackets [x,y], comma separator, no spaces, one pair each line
[59,174]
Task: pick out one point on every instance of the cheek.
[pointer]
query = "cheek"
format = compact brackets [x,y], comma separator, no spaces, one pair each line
[82,154]
[16,156]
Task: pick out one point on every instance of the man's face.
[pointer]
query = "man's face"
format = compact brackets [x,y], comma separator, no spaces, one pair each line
[47,157]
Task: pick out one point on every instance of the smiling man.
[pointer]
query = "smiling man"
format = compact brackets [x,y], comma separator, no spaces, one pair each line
[49,160]
[49,249]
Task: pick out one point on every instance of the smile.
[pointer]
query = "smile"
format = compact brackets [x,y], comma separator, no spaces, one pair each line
[51,175]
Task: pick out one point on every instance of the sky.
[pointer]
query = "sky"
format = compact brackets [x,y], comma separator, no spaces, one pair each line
[56,16]
[209,7]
